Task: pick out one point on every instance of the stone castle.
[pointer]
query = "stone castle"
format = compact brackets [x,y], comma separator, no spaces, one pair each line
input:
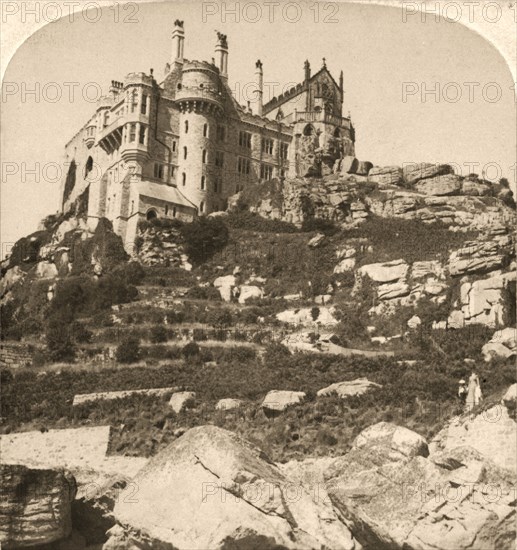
[180,148]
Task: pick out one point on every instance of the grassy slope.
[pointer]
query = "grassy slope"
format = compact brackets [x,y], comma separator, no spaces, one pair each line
[420,396]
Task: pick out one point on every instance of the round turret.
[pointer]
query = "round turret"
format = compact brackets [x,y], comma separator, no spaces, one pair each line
[200,101]
[200,88]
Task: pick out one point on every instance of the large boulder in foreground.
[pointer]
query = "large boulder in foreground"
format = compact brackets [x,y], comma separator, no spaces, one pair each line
[212,490]
[493,433]
[35,506]
[452,500]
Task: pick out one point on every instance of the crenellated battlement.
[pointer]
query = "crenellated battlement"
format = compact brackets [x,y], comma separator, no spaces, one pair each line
[288,94]
[195,65]
[138,78]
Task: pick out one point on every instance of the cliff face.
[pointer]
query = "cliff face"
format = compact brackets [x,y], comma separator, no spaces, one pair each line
[471,268]
[428,193]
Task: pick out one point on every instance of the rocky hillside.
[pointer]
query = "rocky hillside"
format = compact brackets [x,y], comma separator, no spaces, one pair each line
[319,319]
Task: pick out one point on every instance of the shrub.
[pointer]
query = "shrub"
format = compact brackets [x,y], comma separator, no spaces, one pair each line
[81,334]
[321,225]
[219,317]
[191,349]
[244,219]
[203,293]
[131,273]
[158,334]
[128,351]
[315,313]
[59,336]
[203,238]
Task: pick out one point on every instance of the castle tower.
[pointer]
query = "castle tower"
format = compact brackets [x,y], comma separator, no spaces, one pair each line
[199,175]
[259,79]
[221,54]
[178,40]
[134,144]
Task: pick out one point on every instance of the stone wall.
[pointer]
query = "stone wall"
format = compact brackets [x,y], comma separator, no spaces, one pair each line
[15,355]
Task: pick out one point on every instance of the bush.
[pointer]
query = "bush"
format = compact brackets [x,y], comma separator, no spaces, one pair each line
[131,273]
[204,293]
[128,351]
[318,224]
[244,219]
[158,334]
[81,334]
[219,317]
[59,336]
[203,238]
[190,350]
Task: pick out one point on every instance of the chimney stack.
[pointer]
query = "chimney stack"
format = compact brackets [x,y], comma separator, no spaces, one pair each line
[178,39]
[307,70]
[221,54]
[259,79]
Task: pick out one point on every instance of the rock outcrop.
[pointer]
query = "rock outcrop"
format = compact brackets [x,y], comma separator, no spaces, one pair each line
[489,301]
[348,388]
[503,344]
[397,442]
[481,256]
[440,185]
[212,490]
[35,506]
[413,173]
[444,501]
[308,316]
[493,434]
[386,175]
[250,292]
[229,404]
[226,285]
[386,272]
[279,400]
[182,400]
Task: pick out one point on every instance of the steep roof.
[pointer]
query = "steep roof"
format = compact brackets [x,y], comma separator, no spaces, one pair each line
[163,192]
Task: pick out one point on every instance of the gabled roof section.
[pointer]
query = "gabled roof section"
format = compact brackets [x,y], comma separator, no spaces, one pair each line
[277,101]
[324,69]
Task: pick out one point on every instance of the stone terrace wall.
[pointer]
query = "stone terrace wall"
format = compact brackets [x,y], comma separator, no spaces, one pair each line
[13,354]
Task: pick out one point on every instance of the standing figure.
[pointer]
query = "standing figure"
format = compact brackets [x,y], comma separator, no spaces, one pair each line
[473,392]
[462,391]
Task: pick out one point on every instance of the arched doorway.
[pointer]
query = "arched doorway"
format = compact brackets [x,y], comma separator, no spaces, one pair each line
[308,130]
[151,215]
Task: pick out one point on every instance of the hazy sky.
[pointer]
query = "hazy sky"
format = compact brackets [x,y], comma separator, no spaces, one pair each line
[379,54]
